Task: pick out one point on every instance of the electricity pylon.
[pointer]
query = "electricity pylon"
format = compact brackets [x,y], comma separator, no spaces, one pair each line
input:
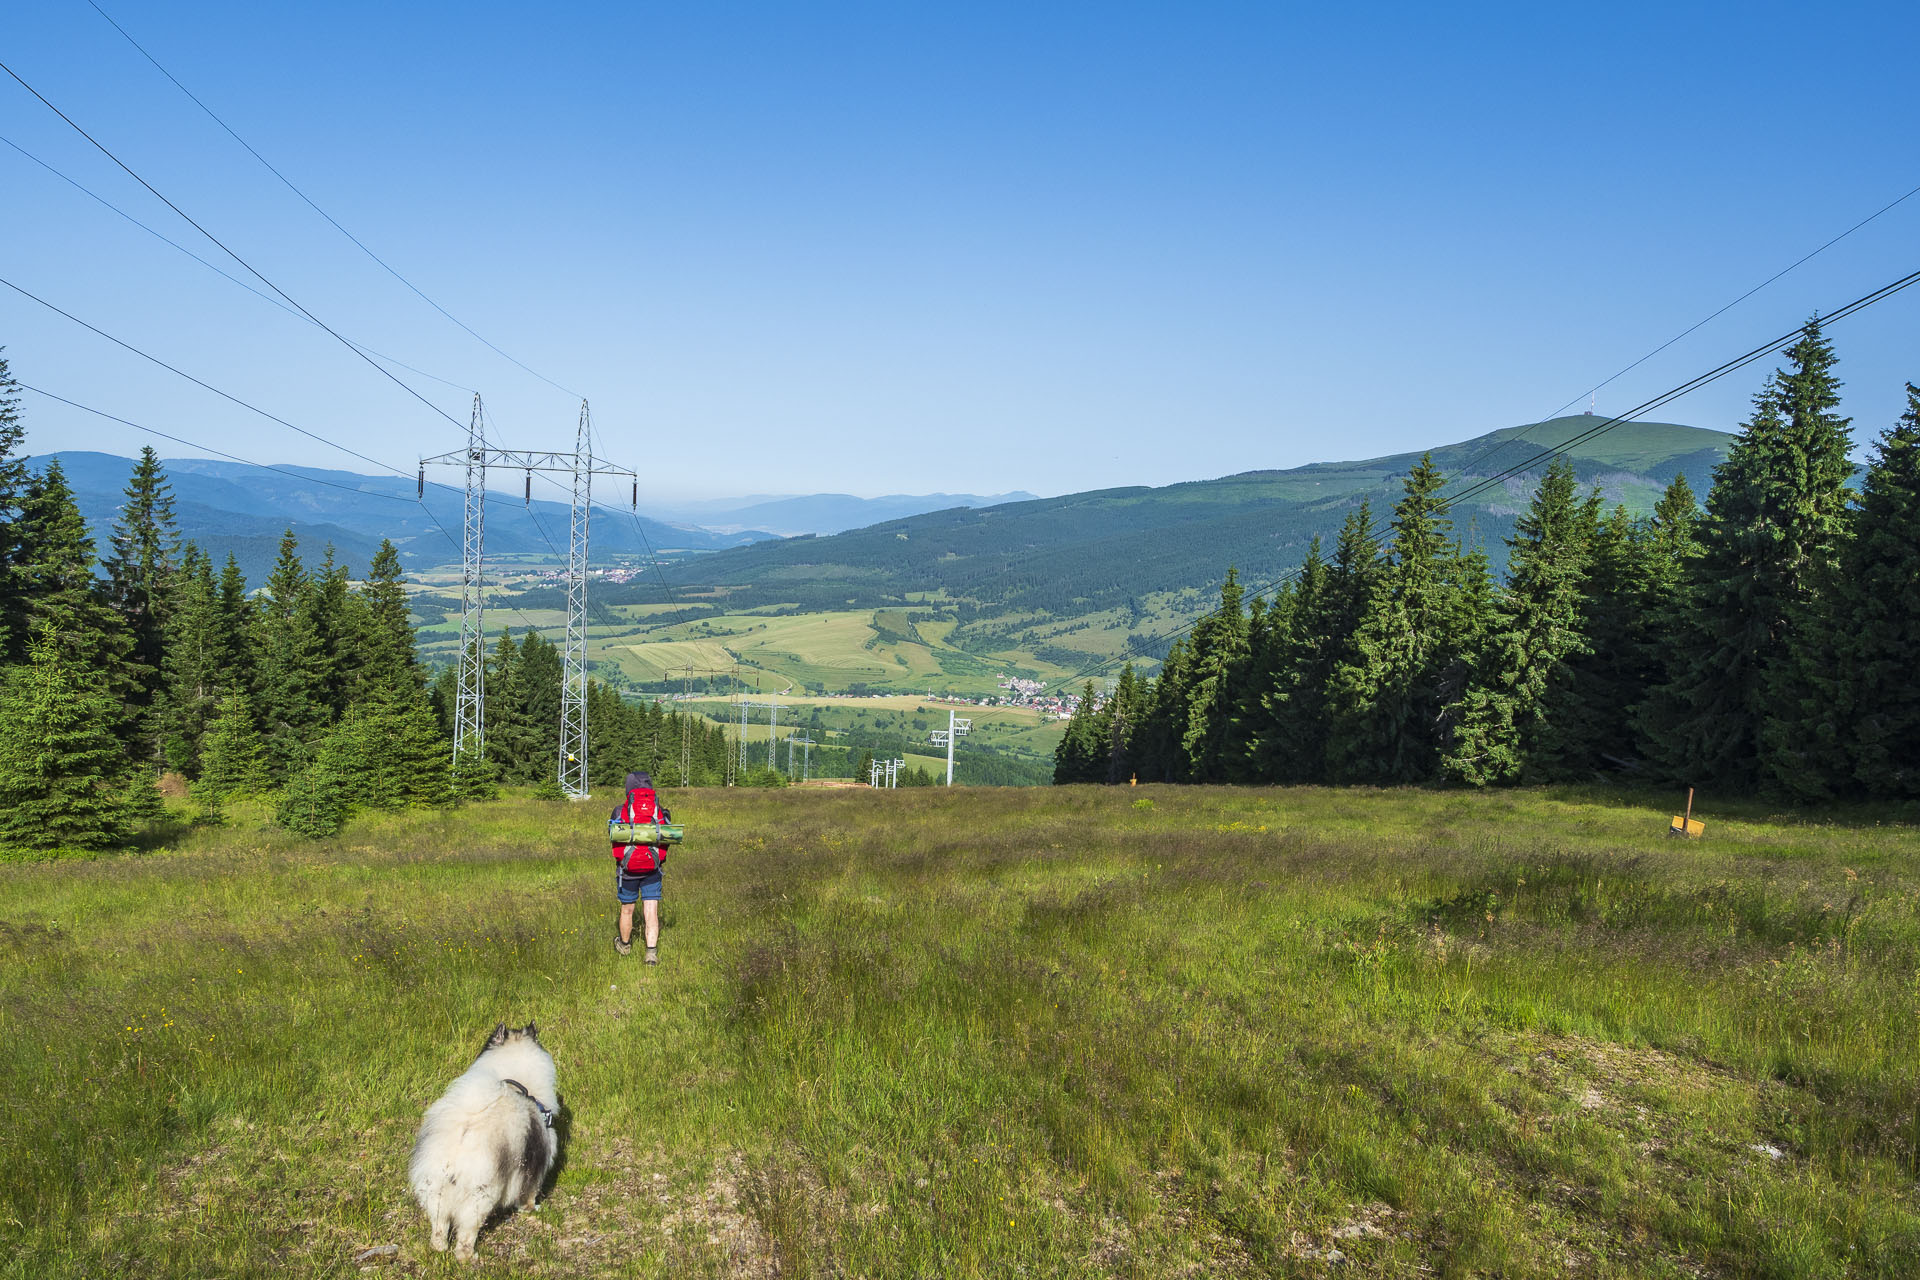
[469,704]
[744,704]
[798,739]
[573,658]
[469,727]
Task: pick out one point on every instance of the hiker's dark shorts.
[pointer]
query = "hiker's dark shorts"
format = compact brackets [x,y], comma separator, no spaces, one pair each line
[633,886]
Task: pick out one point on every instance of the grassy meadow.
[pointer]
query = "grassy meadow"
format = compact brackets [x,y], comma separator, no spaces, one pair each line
[1069,1032]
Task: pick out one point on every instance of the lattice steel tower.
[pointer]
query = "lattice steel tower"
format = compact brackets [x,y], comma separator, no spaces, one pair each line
[469,726]
[573,659]
[469,706]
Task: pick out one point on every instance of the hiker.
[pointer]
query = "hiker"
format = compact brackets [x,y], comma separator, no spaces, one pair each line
[636,868]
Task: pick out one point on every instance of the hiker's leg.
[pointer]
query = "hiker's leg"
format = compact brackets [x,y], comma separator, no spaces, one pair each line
[626,921]
[650,918]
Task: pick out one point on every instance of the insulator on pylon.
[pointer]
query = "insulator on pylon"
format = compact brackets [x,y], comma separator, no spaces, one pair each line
[529,497]
[636,495]
[420,485]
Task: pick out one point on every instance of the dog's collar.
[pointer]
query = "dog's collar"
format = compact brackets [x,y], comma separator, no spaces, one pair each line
[546,1112]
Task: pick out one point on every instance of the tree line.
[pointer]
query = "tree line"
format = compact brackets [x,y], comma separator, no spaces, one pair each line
[1764,645]
[308,691]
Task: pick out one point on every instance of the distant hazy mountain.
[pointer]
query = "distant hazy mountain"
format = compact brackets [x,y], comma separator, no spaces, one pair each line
[231,507]
[790,515]
[1080,553]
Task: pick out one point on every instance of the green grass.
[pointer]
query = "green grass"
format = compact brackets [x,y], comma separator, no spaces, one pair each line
[830,649]
[1070,1032]
[1017,733]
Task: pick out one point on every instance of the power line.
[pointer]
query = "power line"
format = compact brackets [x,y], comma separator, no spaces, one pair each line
[288,299]
[248,462]
[210,266]
[659,568]
[371,362]
[1693,384]
[1798,262]
[252,408]
[192,444]
[308,200]
[311,435]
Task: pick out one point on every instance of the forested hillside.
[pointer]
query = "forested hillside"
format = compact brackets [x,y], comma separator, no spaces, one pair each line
[1767,644]
[1089,551]
[1042,588]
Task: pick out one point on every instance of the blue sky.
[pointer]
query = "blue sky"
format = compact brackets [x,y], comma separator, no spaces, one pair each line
[882,248]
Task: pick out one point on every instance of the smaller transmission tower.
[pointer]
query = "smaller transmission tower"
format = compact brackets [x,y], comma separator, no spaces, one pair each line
[806,755]
[956,728]
[686,727]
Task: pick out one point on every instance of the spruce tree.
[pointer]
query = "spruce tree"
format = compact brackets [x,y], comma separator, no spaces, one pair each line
[387,643]
[1774,528]
[1127,707]
[235,620]
[1857,728]
[190,665]
[62,770]
[1587,705]
[513,744]
[325,611]
[540,690]
[387,753]
[290,670]
[232,759]
[1536,630]
[1158,742]
[1666,550]
[311,803]
[56,569]
[1081,750]
[1219,650]
[13,484]
[140,566]
[1387,698]
[1330,600]
[1270,638]
[1674,539]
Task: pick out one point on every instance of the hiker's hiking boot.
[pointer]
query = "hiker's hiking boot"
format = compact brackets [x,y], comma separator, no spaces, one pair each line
[621,945]
[653,955]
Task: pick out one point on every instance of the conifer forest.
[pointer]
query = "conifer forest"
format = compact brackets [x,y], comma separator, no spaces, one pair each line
[144,657]
[1763,645]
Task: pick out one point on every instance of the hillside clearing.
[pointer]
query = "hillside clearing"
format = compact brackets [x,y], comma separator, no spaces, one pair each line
[1137,1031]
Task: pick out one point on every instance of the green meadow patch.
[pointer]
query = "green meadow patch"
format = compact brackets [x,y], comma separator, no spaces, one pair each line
[1052,1032]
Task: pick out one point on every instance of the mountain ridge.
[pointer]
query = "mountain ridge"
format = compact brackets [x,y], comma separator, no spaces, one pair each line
[1095,549]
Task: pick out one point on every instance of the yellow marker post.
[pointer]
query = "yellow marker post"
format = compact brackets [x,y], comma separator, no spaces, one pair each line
[1683,824]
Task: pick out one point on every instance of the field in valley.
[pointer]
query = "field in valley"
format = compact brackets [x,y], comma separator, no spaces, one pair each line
[1047,1032]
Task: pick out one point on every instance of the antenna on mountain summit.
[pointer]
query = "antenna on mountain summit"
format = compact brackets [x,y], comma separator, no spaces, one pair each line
[1590,404]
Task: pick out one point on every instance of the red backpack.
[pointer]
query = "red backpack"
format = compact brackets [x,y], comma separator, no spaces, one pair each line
[642,806]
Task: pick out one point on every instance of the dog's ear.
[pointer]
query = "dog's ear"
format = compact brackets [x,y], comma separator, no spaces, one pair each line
[499,1036]
[533,1032]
